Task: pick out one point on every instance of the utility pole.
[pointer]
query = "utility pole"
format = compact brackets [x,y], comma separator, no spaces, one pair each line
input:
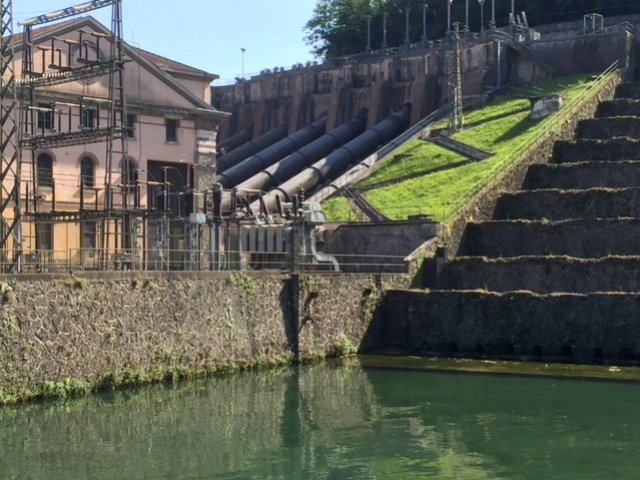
[481,2]
[243,50]
[449,2]
[456,118]
[424,22]
[493,15]
[384,30]
[466,17]
[512,20]
[406,32]
[10,157]
[368,33]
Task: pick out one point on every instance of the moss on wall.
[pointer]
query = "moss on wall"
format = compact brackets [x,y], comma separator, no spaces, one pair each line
[73,335]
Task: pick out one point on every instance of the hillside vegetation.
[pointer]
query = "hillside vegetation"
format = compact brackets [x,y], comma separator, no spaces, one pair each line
[339,27]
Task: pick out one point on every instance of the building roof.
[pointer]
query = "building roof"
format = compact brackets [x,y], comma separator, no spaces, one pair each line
[17,37]
[158,60]
[174,66]
[163,68]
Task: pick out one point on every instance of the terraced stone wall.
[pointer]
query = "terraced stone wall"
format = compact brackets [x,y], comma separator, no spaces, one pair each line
[573,327]
[483,205]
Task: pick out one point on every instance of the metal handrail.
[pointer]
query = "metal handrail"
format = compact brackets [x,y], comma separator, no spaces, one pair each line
[522,48]
[529,142]
[627,25]
[46,262]
[361,169]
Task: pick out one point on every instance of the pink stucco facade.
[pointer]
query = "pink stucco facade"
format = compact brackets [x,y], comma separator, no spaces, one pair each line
[168,105]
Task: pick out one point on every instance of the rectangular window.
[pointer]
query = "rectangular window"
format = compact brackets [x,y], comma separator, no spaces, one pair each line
[45,118]
[171,130]
[131,126]
[45,236]
[88,118]
[89,231]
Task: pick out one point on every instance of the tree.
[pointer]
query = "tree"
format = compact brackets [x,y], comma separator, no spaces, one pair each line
[336,27]
[339,27]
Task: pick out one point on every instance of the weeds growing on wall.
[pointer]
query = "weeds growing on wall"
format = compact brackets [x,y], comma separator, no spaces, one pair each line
[243,281]
[133,377]
[9,330]
[343,347]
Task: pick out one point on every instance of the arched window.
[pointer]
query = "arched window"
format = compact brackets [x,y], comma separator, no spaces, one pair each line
[87,172]
[44,172]
[129,174]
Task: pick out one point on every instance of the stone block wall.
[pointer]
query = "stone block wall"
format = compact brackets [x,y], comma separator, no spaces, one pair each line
[95,330]
[574,327]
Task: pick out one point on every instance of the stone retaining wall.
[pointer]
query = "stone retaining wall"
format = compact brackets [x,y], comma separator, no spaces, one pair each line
[63,333]
[578,327]
[482,206]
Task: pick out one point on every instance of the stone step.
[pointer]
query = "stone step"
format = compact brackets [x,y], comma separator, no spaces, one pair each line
[609,127]
[619,108]
[543,274]
[568,176]
[579,327]
[575,238]
[558,204]
[628,90]
[611,150]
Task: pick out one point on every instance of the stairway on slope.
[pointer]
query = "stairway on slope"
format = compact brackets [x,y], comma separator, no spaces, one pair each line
[523,50]
[473,154]
[574,226]
[362,208]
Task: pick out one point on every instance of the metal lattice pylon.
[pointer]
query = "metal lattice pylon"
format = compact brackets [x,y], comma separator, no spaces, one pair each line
[456,117]
[117,155]
[10,212]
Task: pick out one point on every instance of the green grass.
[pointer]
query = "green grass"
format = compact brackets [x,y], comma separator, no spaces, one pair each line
[418,184]
[337,209]
[499,108]
[416,159]
[566,86]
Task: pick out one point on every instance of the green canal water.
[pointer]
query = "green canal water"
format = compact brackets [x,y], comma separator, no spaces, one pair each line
[333,422]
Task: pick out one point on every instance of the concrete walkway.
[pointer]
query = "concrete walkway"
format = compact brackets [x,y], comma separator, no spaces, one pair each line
[472,153]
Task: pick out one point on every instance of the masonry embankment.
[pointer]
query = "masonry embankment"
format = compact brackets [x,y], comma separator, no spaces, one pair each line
[619,107]
[80,334]
[577,238]
[628,90]
[610,150]
[605,128]
[556,205]
[481,207]
[543,274]
[583,175]
[575,327]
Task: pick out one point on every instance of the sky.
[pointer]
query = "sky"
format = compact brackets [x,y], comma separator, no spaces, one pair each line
[206,34]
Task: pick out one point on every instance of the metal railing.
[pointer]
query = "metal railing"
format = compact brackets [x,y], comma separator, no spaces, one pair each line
[472,153]
[523,49]
[180,260]
[363,168]
[531,140]
[622,26]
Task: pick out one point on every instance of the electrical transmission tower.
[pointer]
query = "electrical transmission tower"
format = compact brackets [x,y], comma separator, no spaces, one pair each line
[10,213]
[456,118]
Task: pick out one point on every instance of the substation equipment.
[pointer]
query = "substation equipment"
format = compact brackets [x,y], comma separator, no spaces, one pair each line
[35,118]
[289,238]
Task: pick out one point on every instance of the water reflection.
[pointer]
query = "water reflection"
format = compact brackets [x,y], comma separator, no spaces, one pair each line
[332,423]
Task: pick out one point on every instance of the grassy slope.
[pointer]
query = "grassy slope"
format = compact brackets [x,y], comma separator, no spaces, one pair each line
[337,209]
[498,128]
[416,159]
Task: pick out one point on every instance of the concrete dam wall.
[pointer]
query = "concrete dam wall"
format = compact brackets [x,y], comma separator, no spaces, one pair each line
[380,84]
